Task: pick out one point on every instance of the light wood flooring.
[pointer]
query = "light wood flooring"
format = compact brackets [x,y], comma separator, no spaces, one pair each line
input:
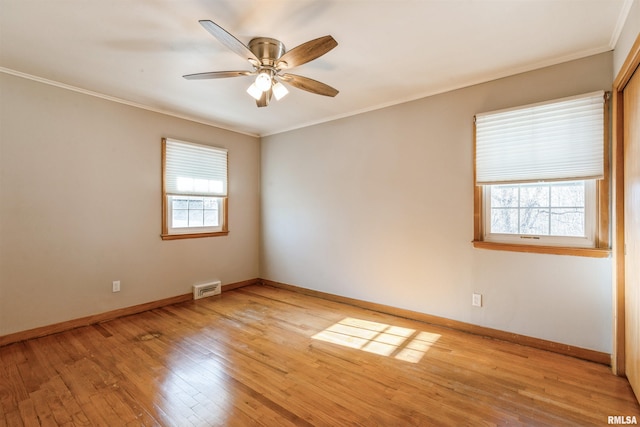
[260,355]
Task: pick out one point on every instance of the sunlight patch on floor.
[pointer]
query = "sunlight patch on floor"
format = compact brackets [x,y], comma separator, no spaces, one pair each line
[379,338]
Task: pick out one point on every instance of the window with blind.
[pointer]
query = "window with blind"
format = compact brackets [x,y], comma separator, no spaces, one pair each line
[538,171]
[194,190]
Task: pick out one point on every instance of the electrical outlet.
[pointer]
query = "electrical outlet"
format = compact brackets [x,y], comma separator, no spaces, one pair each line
[115,286]
[476,300]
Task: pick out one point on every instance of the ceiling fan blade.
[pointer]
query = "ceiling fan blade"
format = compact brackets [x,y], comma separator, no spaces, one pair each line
[264,99]
[217,75]
[229,41]
[306,52]
[310,85]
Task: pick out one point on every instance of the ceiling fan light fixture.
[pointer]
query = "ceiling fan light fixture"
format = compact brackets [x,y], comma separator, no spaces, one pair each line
[268,58]
[264,81]
[254,91]
[279,91]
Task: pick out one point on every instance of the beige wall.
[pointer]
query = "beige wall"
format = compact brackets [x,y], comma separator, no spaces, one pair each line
[376,206]
[80,207]
[379,207]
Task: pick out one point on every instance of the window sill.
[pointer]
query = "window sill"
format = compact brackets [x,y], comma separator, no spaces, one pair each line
[553,250]
[192,235]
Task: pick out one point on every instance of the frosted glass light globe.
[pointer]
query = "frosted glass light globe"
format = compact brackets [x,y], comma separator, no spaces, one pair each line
[263,81]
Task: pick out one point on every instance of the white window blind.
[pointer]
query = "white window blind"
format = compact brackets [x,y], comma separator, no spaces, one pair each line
[196,170]
[560,140]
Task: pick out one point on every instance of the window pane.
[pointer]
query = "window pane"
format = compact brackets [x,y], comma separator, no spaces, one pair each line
[211,218]
[210,203]
[504,221]
[534,196]
[196,203]
[180,218]
[567,222]
[196,218]
[504,196]
[568,194]
[180,203]
[534,221]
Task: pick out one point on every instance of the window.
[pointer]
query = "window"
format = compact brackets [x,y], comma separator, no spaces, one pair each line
[540,176]
[194,190]
[541,213]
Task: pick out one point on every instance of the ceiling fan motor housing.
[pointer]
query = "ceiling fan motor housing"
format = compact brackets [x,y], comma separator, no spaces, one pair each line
[267,50]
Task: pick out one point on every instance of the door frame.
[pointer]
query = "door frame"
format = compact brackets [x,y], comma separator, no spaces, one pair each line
[630,66]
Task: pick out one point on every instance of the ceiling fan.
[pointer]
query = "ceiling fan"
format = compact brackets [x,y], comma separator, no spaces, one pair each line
[269,59]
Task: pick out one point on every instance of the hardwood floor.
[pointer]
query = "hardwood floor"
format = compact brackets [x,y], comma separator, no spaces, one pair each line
[265,356]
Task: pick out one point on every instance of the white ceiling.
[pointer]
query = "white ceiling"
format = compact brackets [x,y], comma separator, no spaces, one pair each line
[389,51]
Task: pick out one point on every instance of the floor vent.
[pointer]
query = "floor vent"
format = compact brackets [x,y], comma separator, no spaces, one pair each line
[207,289]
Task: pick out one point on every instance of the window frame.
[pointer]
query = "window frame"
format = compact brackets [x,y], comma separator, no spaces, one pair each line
[602,239]
[191,230]
[172,233]
[588,241]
